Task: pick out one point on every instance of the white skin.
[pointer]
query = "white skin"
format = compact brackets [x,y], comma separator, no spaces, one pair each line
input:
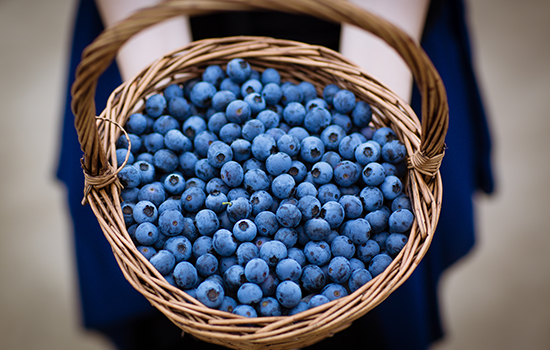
[376,57]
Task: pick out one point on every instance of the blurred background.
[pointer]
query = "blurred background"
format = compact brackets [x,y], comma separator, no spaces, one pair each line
[498,297]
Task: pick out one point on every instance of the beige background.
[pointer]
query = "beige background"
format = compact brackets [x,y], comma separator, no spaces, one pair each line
[496,298]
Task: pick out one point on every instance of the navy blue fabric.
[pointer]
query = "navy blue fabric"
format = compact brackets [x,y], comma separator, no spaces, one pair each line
[410,317]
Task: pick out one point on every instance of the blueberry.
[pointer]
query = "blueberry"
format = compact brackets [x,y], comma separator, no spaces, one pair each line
[317,252]
[399,221]
[317,300]
[202,93]
[163,261]
[344,101]
[339,269]
[171,222]
[270,75]
[147,251]
[136,124]
[230,85]
[316,102]
[263,146]
[192,199]
[256,103]
[307,90]
[213,74]
[249,293]
[269,286]
[317,119]
[294,114]
[268,306]
[372,198]
[269,118]
[322,173]
[206,264]
[146,233]
[287,235]
[278,163]
[205,171]
[368,152]
[353,208]
[202,245]
[207,222]
[288,294]
[164,124]
[121,154]
[298,171]
[185,275]
[241,150]
[129,177]
[373,174]
[299,132]
[384,135]
[180,247]
[306,189]
[256,270]
[358,230]
[359,278]
[195,182]
[230,132]
[238,111]
[378,219]
[379,263]
[393,152]
[238,70]
[232,174]
[368,250]
[342,120]
[129,195]
[291,93]
[153,142]
[251,86]
[234,278]
[172,91]
[178,107]
[333,213]
[260,200]
[224,242]
[334,291]
[177,142]
[187,162]
[395,243]
[155,105]
[328,192]
[391,187]
[239,208]
[216,185]
[266,223]
[283,186]
[210,293]
[228,304]
[347,146]
[317,229]
[401,202]
[289,145]
[145,211]
[174,184]
[329,91]
[361,114]
[288,270]
[312,149]
[331,136]
[203,141]
[245,310]
[272,93]
[272,252]
[222,99]
[237,192]
[246,252]
[193,126]
[342,246]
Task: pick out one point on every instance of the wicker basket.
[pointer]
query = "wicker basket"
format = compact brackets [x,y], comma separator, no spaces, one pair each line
[297,62]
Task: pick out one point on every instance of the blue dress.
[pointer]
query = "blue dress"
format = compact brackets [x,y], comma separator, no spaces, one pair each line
[409,318]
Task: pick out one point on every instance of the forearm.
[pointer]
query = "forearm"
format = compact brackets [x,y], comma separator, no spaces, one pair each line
[147,46]
[373,54]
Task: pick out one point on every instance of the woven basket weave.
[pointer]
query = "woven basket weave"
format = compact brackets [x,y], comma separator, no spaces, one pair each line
[296,62]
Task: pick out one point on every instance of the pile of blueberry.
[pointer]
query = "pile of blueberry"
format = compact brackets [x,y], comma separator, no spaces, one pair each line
[260,197]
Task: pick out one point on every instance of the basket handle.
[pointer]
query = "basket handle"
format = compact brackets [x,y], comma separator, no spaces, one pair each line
[100,53]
